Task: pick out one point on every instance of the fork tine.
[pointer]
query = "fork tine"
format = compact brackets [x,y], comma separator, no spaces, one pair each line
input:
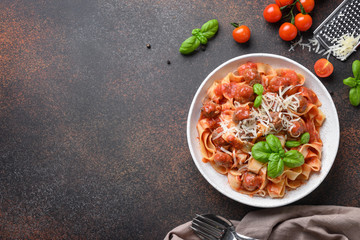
[203,235]
[208,228]
[211,222]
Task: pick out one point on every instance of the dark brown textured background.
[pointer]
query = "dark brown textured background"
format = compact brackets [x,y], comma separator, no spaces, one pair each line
[93,123]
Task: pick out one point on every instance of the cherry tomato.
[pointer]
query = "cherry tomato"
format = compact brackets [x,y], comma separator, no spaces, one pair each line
[323,68]
[303,22]
[241,34]
[272,13]
[307,4]
[287,31]
[282,3]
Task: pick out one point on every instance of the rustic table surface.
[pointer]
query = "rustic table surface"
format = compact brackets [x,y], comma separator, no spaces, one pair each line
[93,123]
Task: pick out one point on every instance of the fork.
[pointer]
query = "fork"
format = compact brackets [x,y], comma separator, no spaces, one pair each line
[214,227]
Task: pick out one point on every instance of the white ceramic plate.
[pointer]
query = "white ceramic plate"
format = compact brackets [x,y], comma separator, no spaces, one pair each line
[329,132]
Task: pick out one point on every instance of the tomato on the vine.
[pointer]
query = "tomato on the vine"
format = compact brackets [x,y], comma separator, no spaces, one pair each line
[272,13]
[323,68]
[307,4]
[241,34]
[287,31]
[303,22]
[282,3]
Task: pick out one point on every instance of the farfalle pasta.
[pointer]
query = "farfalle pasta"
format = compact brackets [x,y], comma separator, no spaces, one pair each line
[230,125]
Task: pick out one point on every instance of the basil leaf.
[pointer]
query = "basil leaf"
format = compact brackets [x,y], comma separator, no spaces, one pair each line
[275,165]
[354,95]
[258,88]
[282,153]
[189,45]
[261,152]
[201,38]
[274,143]
[210,28]
[293,159]
[356,69]
[350,81]
[257,101]
[195,31]
[198,34]
[291,144]
[305,138]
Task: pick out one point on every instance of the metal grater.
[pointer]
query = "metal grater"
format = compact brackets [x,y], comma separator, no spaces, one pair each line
[344,19]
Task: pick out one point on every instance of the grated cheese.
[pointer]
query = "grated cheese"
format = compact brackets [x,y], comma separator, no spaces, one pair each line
[341,48]
[260,121]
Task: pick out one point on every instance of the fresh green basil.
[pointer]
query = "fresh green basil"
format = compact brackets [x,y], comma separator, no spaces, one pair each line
[189,45]
[282,153]
[195,31]
[305,138]
[261,151]
[257,101]
[275,165]
[258,89]
[291,144]
[274,143]
[350,81]
[198,34]
[354,95]
[354,83]
[210,28]
[293,159]
[356,69]
[271,152]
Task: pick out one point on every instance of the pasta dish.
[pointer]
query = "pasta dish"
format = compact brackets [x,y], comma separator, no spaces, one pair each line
[260,127]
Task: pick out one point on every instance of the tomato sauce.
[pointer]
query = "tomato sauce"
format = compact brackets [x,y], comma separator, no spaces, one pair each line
[248,65]
[285,78]
[309,94]
[241,93]
[241,113]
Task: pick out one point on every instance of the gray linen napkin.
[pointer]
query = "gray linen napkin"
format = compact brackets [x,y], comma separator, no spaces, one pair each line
[292,222]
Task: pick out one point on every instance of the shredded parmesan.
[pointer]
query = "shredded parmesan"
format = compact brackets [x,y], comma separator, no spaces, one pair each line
[342,47]
[260,121]
[226,151]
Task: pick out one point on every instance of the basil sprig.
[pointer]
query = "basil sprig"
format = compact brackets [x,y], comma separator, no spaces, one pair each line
[202,35]
[354,83]
[258,89]
[305,138]
[272,152]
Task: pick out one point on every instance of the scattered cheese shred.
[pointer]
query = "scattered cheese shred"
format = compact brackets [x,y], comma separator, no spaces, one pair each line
[342,47]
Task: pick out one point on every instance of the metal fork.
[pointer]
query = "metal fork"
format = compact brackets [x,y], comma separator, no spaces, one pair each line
[214,227]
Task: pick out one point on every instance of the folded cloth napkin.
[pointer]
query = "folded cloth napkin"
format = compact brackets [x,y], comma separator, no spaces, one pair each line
[292,222]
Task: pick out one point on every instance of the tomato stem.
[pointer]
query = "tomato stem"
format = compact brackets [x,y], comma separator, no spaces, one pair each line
[235,25]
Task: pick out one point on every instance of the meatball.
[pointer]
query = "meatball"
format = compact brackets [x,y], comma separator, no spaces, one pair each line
[251,76]
[251,181]
[297,129]
[218,140]
[234,141]
[277,82]
[244,94]
[210,109]
[223,159]
[241,113]
[303,104]
[276,120]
